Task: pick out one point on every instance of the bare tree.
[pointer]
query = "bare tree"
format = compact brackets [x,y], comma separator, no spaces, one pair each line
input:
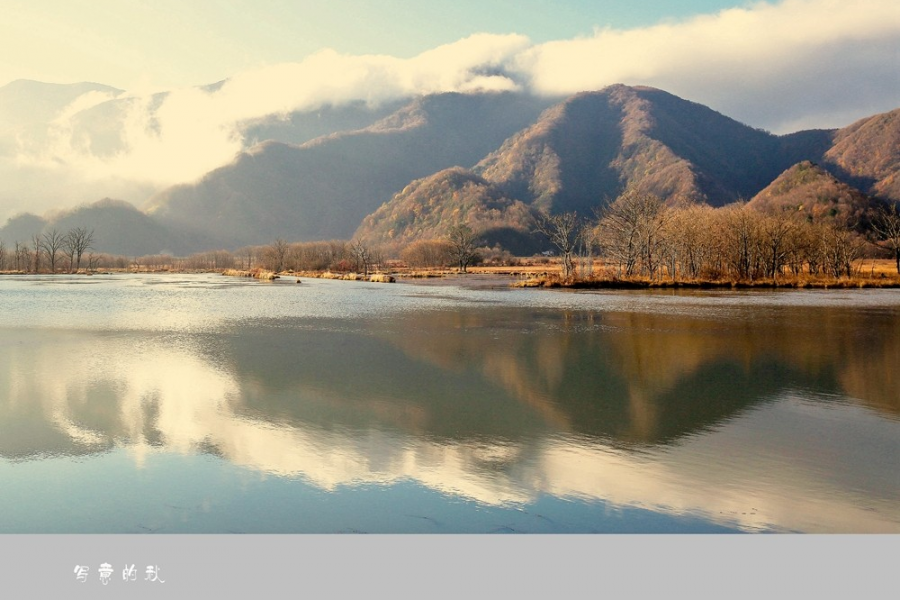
[564,231]
[37,248]
[23,256]
[75,243]
[887,227]
[463,241]
[361,255]
[840,247]
[687,244]
[376,256]
[276,254]
[630,232]
[248,254]
[52,243]
[335,251]
[803,249]
[584,251]
[776,232]
[741,240]
[427,253]
[2,254]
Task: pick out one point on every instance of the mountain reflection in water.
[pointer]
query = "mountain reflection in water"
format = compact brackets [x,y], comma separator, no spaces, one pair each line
[786,419]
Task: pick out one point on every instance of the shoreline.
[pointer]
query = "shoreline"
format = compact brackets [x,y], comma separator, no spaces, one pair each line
[521,278]
[627,284]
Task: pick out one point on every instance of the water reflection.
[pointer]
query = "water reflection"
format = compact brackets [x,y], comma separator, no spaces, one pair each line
[651,378]
[785,421]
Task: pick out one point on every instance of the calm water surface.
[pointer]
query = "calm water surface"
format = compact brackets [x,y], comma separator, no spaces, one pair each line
[173,403]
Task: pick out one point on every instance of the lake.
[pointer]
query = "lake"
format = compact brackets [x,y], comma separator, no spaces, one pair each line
[204,404]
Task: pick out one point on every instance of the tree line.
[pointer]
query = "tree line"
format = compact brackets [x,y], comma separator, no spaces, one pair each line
[50,252]
[639,236]
[460,247]
[278,256]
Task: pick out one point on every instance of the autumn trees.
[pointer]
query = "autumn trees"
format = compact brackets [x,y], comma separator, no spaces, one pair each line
[629,233]
[427,254]
[458,246]
[639,236]
[564,231]
[276,254]
[636,236]
[463,242]
[362,256]
[886,226]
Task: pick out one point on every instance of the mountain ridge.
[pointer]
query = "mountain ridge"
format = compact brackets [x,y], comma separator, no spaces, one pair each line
[591,147]
[491,160]
[325,187]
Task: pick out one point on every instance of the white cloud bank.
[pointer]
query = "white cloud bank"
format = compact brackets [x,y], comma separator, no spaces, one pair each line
[787,66]
[797,64]
[186,133]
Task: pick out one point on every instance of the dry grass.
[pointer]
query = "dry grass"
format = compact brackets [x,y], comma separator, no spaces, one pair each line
[377,277]
[255,273]
[643,283]
[868,273]
[877,267]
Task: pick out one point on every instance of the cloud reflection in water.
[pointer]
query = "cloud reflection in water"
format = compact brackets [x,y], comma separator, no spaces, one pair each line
[499,422]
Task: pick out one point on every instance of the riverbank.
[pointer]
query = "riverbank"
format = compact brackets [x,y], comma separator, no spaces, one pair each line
[542,277]
[265,275]
[784,282]
[871,273]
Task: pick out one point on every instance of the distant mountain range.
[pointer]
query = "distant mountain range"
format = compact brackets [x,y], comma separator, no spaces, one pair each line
[402,172]
[324,188]
[583,152]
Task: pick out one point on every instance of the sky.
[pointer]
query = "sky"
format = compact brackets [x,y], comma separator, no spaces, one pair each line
[133,44]
[780,65]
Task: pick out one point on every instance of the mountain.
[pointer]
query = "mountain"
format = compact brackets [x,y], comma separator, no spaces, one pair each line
[30,130]
[119,228]
[589,148]
[324,188]
[586,150]
[102,128]
[814,192]
[427,207]
[57,140]
[867,155]
[29,108]
[402,171]
[21,228]
[300,127]
[574,156]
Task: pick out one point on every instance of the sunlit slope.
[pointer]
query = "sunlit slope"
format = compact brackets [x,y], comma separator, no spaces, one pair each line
[323,189]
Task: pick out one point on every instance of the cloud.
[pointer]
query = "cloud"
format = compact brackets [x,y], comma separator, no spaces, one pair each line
[786,66]
[180,135]
[772,65]
[331,78]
